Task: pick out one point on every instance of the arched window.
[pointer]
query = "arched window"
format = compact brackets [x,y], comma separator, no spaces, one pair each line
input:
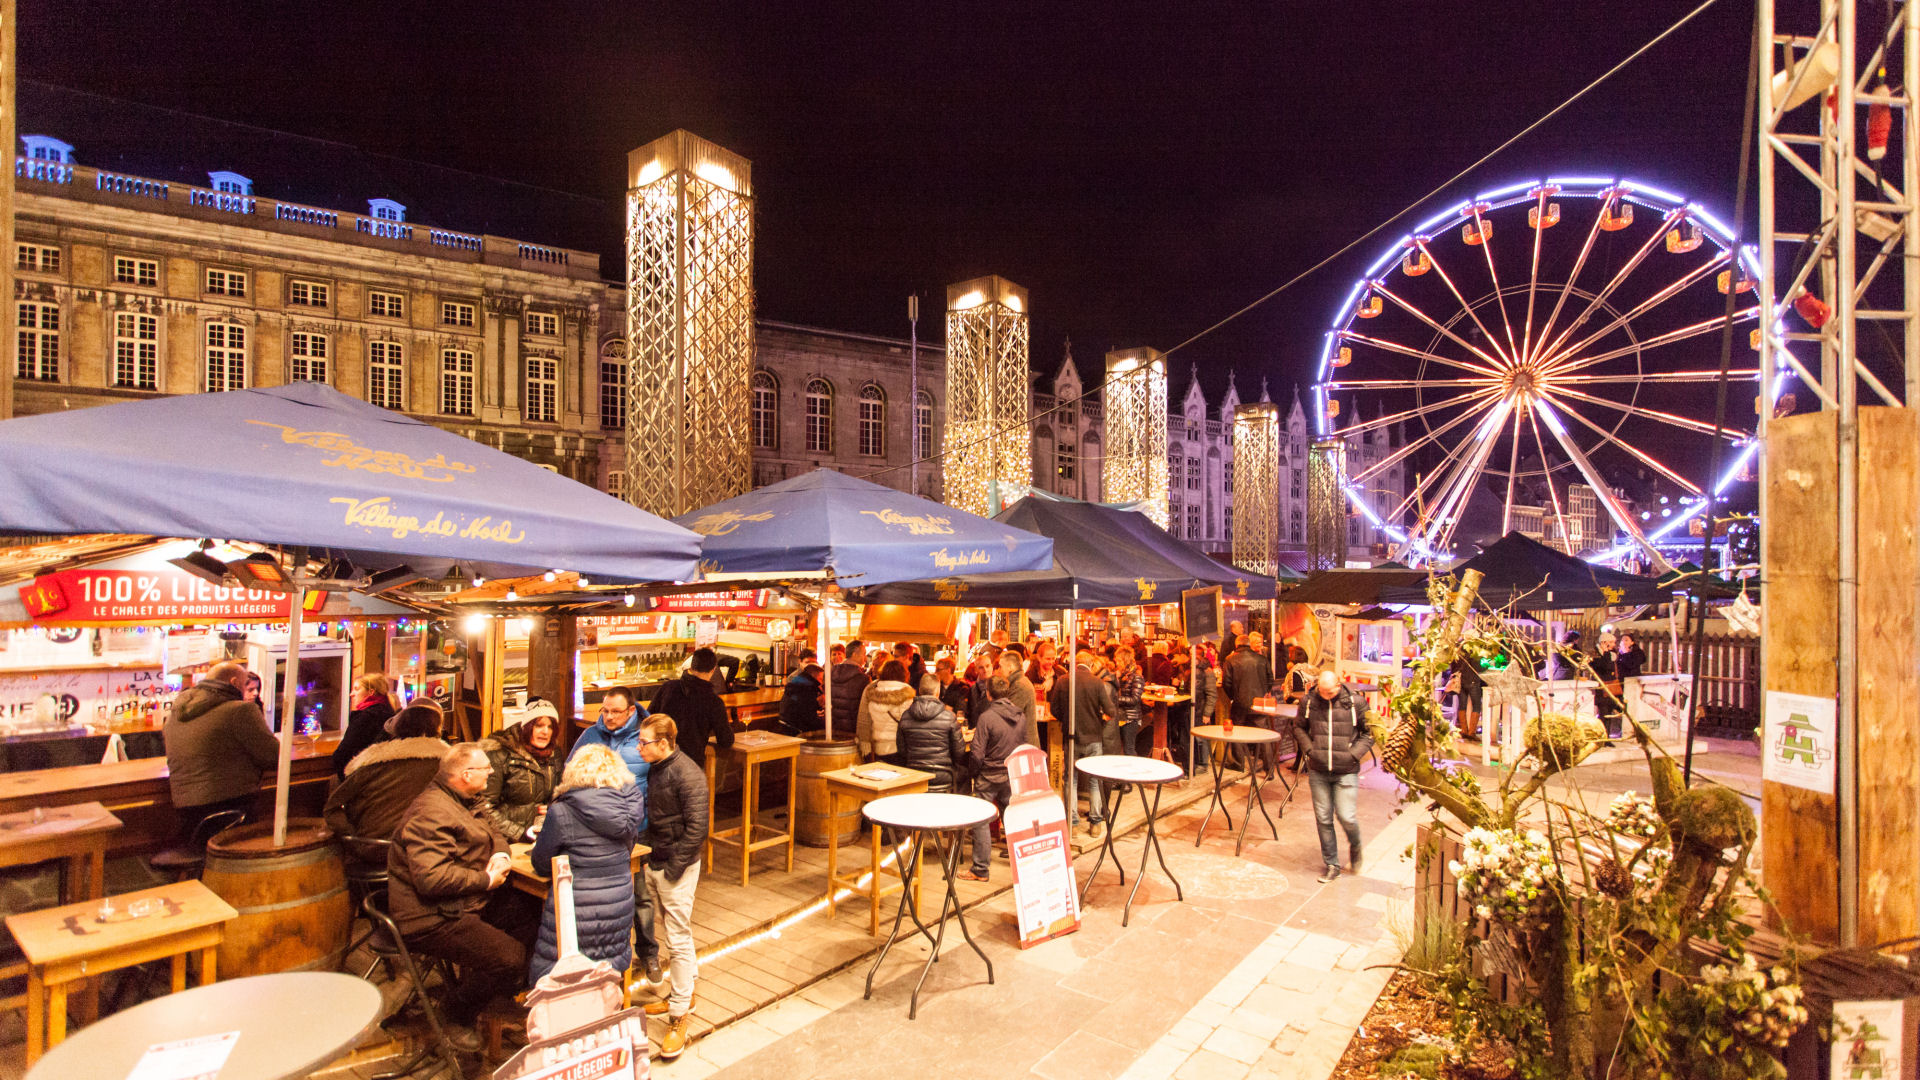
[923,425]
[873,421]
[613,384]
[820,417]
[766,416]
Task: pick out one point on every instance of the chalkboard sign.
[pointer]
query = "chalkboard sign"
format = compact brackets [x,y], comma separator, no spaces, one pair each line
[1201,613]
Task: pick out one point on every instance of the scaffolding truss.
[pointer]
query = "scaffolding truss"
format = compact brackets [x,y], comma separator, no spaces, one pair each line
[1135,466]
[689,324]
[1256,488]
[988,456]
[1326,505]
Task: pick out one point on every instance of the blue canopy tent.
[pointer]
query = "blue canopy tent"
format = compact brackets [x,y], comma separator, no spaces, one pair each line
[854,531]
[307,466]
[1102,557]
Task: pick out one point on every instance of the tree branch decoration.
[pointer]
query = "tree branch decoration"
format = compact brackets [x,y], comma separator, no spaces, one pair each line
[1593,910]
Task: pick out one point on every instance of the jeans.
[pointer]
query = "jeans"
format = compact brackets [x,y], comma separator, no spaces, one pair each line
[997,792]
[488,947]
[1130,737]
[673,905]
[1336,795]
[645,945]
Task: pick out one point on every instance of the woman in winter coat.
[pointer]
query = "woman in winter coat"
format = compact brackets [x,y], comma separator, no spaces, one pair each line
[525,769]
[373,705]
[384,779]
[876,729]
[594,820]
[1129,682]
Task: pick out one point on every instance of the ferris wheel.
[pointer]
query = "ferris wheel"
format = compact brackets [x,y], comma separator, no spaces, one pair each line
[1541,336]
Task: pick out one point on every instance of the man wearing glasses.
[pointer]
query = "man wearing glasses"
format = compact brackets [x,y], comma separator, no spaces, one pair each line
[618,729]
[446,867]
[676,833]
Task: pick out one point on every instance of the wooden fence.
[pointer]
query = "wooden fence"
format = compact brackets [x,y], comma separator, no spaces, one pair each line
[1728,676]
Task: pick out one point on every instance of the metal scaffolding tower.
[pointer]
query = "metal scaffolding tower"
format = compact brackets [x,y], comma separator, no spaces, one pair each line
[1326,505]
[1256,487]
[988,458]
[1135,403]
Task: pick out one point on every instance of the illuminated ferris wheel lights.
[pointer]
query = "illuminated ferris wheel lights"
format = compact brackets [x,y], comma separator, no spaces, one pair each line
[1639,188]
[1528,186]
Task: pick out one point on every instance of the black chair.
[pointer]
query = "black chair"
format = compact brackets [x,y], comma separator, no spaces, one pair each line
[185,861]
[365,879]
[389,948]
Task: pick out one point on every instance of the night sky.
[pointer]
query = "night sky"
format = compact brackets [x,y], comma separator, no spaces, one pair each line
[1144,169]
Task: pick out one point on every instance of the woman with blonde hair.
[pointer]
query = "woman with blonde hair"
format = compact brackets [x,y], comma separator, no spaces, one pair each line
[373,704]
[594,819]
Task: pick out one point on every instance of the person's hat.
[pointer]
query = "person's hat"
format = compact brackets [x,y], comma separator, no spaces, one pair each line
[538,707]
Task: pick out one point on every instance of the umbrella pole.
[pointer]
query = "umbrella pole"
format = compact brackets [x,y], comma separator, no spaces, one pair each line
[826,681]
[1068,752]
[283,781]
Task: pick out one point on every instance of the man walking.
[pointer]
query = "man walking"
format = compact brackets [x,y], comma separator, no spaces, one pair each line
[1338,738]
[676,833]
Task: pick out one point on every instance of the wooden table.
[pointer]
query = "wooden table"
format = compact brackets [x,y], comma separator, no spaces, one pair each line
[282,1026]
[922,814]
[77,835]
[1241,736]
[522,876]
[1159,700]
[66,944]
[753,749]
[849,783]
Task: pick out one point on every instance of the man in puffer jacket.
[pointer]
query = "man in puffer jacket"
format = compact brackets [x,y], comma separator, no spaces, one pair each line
[677,834]
[1338,736]
[929,739]
[996,735]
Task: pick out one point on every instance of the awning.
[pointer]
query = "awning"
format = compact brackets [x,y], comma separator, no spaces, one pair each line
[1520,572]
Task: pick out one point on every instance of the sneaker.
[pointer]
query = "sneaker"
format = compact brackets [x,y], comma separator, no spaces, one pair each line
[462,1038]
[675,1042]
[1329,874]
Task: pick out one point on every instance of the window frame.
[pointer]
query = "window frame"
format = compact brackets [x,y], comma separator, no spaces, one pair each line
[458,307]
[137,264]
[387,374]
[872,426]
[456,382]
[226,283]
[141,354]
[321,361]
[46,339]
[923,426]
[321,289]
[43,255]
[399,298]
[547,380]
[616,385]
[763,410]
[230,354]
[548,322]
[819,422]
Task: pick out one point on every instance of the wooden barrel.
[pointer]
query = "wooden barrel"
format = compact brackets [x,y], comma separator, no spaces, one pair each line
[814,822]
[294,910]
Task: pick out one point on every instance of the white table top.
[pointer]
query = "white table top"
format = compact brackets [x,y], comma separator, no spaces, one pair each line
[1289,710]
[289,1024]
[1129,769]
[1241,733]
[930,810]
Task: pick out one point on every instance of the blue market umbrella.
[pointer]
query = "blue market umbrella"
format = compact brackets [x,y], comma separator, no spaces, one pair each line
[860,532]
[307,465]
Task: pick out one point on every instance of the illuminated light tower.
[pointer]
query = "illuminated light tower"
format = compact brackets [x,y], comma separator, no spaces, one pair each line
[1256,487]
[689,324]
[1326,505]
[989,445]
[1135,396]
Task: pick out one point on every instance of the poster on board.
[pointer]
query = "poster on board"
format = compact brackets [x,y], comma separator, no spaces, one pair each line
[1201,614]
[1799,743]
[1045,900]
[1871,1041]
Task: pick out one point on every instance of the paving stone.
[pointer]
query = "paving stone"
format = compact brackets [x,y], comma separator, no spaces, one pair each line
[1189,1033]
[1263,1026]
[1157,1063]
[1237,1045]
[1209,1013]
[790,1015]
[1085,1057]
[736,1041]
[1207,1065]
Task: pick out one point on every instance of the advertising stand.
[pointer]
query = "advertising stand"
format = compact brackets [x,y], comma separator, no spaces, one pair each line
[1044,896]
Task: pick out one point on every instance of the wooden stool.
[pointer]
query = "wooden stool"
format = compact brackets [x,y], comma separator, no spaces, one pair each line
[753,749]
[850,784]
[67,944]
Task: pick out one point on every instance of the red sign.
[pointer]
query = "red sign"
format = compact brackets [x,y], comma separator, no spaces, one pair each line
[117,597]
[749,600]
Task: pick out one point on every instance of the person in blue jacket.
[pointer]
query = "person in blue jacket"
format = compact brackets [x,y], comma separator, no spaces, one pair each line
[618,729]
[593,820]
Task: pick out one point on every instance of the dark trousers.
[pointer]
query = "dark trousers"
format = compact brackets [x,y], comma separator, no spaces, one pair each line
[645,946]
[997,792]
[192,816]
[490,947]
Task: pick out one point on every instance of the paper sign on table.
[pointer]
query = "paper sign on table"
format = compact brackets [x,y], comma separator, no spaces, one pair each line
[1799,741]
[199,1058]
[1872,1042]
[1044,896]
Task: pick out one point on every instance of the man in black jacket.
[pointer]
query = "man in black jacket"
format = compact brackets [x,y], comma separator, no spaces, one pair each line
[1338,738]
[1096,724]
[696,708]
[849,682]
[218,747]
[995,737]
[676,833]
[928,739]
[1245,678]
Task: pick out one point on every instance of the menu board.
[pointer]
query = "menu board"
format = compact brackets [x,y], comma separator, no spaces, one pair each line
[1044,896]
[1201,614]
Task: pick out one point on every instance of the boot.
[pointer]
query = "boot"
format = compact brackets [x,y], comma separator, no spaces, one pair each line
[675,1042]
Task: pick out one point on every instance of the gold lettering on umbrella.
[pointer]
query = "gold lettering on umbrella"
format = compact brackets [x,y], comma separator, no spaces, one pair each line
[959,560]
[348,454]
[917,524]
[726,521]
[380,514]
[1147,588]
[950,589]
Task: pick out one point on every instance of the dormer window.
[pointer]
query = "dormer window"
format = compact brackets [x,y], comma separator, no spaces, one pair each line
[230,182]
[386,210]
[46,148]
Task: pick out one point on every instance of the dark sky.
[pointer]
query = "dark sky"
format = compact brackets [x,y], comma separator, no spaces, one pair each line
[1144,169]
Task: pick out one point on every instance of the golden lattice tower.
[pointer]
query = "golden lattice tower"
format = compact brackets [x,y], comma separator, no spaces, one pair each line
[1256,487]
[1135,466]
[988,457]
[689,324]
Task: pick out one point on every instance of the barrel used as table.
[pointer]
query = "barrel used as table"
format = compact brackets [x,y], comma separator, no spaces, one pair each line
[816,822]
[294,912]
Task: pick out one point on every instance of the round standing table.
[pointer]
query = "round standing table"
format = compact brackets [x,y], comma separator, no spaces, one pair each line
[922,815]
[1289,712]
[333,1012]
[1144,773]
[1242,736]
